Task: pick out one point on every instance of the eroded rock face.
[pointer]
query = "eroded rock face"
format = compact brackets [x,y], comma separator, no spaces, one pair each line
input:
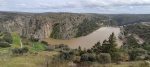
[36,28]
[41,25]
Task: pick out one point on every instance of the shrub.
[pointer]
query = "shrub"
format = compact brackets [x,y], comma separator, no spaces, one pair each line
[116,57]
[17,51]
[125,57]
[20,50]
[45,43]
[23,37]
[104,58]
[4,44]
[7,37]
[89,51]
[144,64]
[1,40]
[76,59]
[88,57]
[66,55]
[25,49]
[35,39]
[138,54]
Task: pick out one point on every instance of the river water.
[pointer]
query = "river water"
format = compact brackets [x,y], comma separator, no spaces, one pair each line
[88,41]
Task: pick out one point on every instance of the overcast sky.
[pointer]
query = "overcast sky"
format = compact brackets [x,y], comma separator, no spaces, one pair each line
[77,6]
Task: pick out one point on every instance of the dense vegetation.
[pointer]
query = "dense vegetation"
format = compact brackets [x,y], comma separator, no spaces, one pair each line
[140,29]
[104,53]
[125,19]
[87,26]
[56,32]
[5,39]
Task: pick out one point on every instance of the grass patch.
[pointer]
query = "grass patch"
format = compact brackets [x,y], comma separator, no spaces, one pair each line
[16,40]
[36,46]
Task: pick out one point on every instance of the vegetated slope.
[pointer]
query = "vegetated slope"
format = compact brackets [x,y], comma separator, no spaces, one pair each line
[140,29]
[124,19]
[61,25]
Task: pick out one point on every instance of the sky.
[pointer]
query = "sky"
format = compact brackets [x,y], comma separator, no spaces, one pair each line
[78,6]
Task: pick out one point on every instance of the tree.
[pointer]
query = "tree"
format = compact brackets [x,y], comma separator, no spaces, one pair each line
[132,42]
[79,48]
[112,42]
[110,45]
[97,48]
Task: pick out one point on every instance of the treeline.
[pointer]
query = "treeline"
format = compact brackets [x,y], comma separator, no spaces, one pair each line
[125,19]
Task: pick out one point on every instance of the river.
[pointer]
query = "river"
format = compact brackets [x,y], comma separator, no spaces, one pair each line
[88,41]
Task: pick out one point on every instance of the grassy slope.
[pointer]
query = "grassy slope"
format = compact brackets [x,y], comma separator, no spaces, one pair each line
[123,64]
[36,46]
[27,60]
[16,40]
[16,43]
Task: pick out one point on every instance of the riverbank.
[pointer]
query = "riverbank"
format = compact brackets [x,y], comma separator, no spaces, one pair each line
[88,41]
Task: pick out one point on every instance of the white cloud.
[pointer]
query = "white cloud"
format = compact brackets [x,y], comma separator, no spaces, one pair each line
[96,6]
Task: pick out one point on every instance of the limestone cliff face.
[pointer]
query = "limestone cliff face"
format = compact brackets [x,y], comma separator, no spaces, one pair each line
[55,25]
[41,25]
[37,28]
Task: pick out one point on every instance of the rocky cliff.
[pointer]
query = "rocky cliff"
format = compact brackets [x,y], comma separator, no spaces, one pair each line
[41,25]
[59,25]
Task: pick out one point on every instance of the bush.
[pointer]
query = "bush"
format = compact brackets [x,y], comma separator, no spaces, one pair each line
[17,51]
[66,55]
[1,40]
[7,37]
[20,50]
[89,51]
[45,43]
[138,54]
[104,58]
[116,57]
[23,37]
[76,59]
[88,57]
[25,49]
[144,64]
[125,57]
[4,44]
[35,39]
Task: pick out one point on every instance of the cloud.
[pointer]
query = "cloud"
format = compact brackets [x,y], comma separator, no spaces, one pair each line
[2,3]
[96,6]
[108,3]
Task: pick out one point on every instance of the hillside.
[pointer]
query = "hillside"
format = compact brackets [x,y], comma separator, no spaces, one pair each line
[140,29]
[62,25]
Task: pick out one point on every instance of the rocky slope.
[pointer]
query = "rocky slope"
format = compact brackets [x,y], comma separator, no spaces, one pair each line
[56,25]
